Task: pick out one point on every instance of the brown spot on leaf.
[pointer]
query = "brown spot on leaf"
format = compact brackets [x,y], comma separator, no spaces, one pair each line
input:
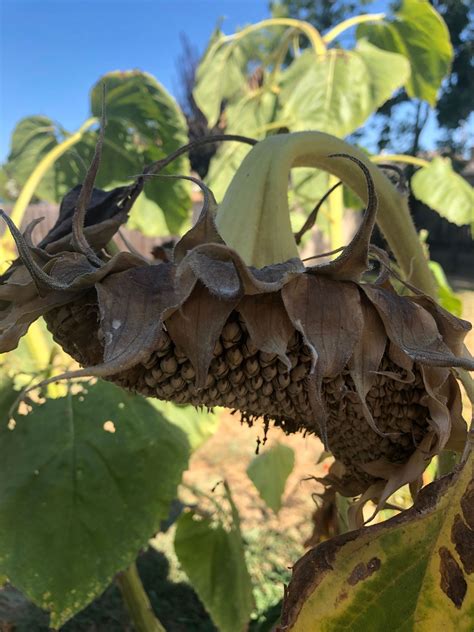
[452,581]
[467,504]
[463,539]
[363,571]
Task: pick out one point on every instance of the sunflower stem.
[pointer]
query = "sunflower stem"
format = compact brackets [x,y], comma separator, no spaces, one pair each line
[137,602]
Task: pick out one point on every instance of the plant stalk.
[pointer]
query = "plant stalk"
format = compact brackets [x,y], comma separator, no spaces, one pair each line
[137,602]
[347,24]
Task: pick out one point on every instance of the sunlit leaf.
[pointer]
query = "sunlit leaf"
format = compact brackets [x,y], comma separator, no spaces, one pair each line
[420,33]
[269,472]
[446,296]
[219,76]
[338,92]
[414,572]
[446,192]
[213,559]
[85,480]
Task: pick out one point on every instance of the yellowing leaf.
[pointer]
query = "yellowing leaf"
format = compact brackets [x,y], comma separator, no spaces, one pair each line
[414,572]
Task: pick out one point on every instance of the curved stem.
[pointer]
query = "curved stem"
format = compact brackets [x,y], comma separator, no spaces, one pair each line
[409,160]
[347,24]
[311,33]
[137,602]
[38,174]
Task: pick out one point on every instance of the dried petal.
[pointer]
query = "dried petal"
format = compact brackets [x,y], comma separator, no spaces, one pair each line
[268,324]
[196,327]
[413,329]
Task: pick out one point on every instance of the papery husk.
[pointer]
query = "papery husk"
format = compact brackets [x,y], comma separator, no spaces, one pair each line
[313,349]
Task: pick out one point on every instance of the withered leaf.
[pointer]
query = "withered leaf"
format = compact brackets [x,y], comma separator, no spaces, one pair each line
[203,232]
[132,305]
[367,356]
[196,327]
[329,315]
[267,323]
[413,329]
[106,212]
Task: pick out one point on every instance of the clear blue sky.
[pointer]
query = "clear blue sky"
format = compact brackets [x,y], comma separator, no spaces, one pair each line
[53,51]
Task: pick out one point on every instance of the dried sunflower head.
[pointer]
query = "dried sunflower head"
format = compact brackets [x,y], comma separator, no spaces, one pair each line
[314,349]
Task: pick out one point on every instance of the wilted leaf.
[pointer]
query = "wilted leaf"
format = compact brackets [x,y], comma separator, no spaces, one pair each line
[338,92]
[446,192]
[414,572]
[269,472]
[220,75]
[213,559]
[420,34]
[85,480]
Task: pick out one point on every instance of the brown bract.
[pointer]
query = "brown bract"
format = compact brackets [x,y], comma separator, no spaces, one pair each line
[314,349]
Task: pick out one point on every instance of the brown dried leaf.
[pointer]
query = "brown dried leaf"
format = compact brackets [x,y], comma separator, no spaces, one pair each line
[132,307]
[353,261]
[413,329]
[329,315]
[268,324]
[203,232]
[367,356]
[196,327]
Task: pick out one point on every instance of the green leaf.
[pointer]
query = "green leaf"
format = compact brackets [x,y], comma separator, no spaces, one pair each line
[85,480]
[220,76]
[198,425]
[151,126]
[213,559]
[413,573]
[446,192]
[446,296]
[337,93]
[269,472]
[32,139]
[420,33]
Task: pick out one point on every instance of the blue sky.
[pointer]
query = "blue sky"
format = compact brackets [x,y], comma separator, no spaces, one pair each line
[53,51]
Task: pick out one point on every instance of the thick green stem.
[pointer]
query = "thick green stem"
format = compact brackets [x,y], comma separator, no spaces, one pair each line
[409,160]
[38,174]
[137,602]
[257,198]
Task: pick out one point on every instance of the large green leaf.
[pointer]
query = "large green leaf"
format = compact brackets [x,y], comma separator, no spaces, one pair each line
[32,139]
[413,573]
[213,559]
[220,76]
[420,33]
[446,192]
[141,105]
[269,472]
[144,124]
[85,480]
[338,92]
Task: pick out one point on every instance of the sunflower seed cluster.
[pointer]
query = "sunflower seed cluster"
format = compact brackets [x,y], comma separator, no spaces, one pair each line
[258,384]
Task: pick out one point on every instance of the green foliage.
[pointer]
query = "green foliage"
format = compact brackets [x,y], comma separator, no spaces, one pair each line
[213,559]
[446,296]
[85,480]
[336,94]
[144,124]
[442,189]
[269,472]
[418,32]
[198,425]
